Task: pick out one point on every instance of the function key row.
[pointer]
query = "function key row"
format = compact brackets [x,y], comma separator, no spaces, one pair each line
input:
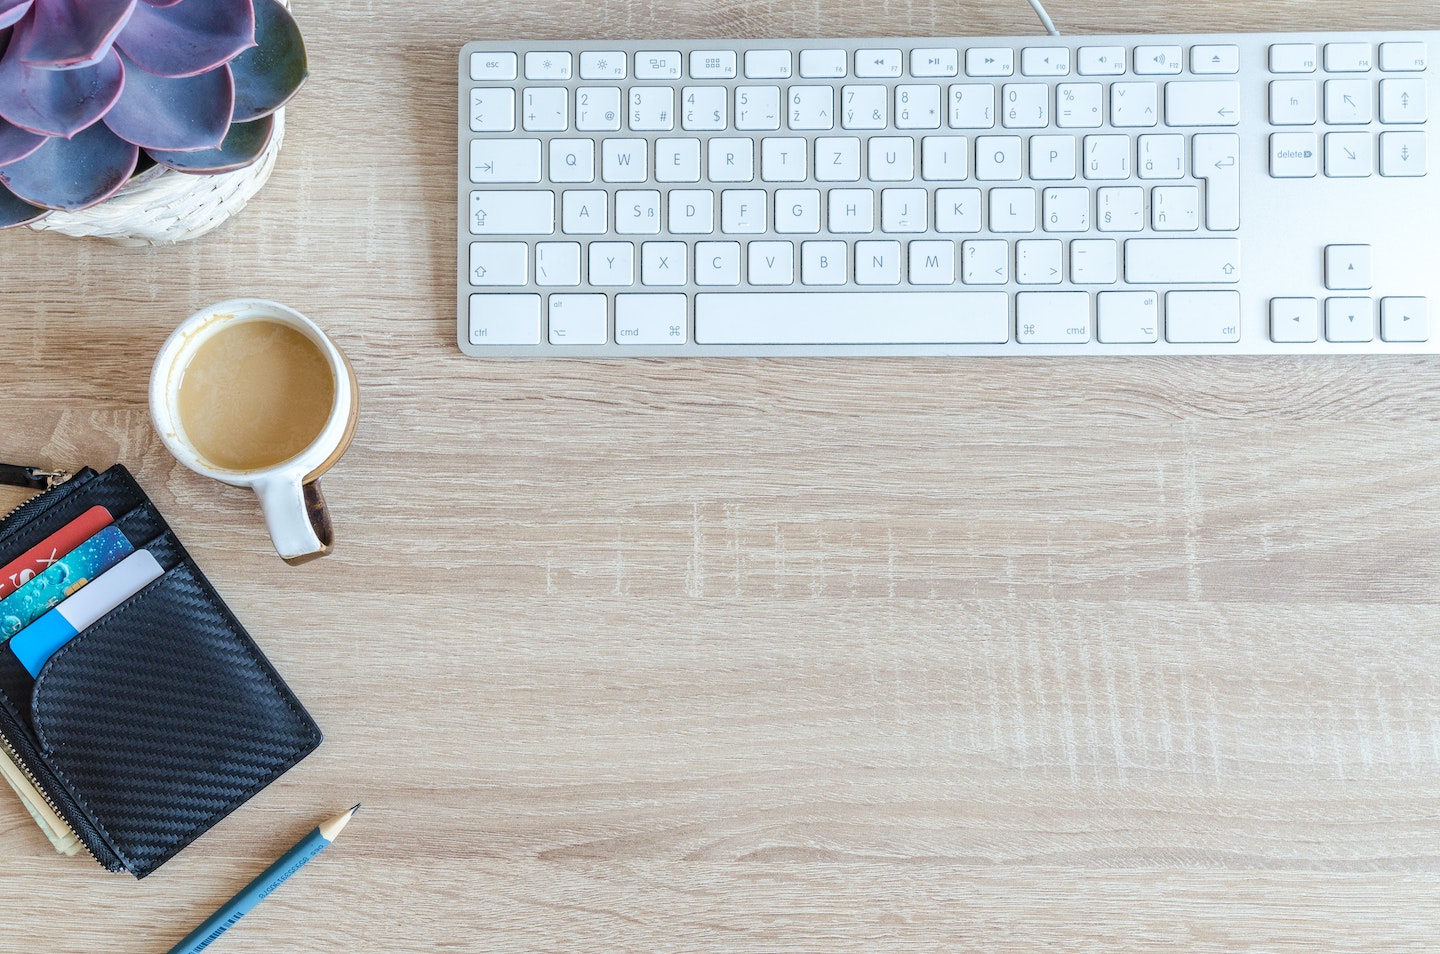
[1395,57]
[721,64]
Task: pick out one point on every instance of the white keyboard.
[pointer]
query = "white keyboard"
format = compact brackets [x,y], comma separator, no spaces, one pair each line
[1226,194]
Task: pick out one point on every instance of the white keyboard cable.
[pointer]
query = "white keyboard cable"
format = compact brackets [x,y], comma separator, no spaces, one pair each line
[1044,17]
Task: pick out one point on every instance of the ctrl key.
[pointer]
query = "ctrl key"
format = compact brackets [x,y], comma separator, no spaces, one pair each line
[504,319]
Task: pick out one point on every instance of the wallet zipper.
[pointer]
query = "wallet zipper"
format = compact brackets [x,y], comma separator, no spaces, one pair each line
[35,478]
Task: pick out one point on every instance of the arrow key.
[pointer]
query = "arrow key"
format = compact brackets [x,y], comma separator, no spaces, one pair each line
[1349,319]
[1294,320]
[1347,267]
[1404,319]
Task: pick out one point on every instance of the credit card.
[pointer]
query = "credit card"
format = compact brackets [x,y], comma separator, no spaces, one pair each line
[65,576]
[43,555]
[36,643]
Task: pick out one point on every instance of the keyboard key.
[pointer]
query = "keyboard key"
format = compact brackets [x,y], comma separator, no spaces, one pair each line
[767,64]
[917,107]
[1349,319]
[1120,210]
[652,108]
[892,159]
[771,263]
[512,213]
[743,211]
[1026,105]
[650,319]
[1106,157]
[1012,210]
[1293,102]
[1402,101]
[904,210]
[547,66]
[842,318]
[1348,102]
[504,319]
[931,263]
[1101,61]
[989,61]
[934,62]
[612,263]
[1349,155]
[663,263]
[585,212]
[1347,267]
[783,160]
[972,106]
[624,160]
[1078,105]
[1211,59]
[717,263]
[1045,61]
[578,320]
[877,263]
[597,108]
[1185,261]
[757,108]
[546,109]
[822,64]
[657,65]
[1294,155]
[605,64]
[571,160]
[824,263]
[712,64]
[864,107]
[1402,153]
[1052,317]
[1196,317]
[1161,157]
[957,210]
[504,160]
[492,66]
[1404,319]
[498,263]
[1175,208]
[1161,60]
[997,158]
[492,110]
[677,160]
[1293,58]
[1134,104]
[1202,104]
[1347,57]
[692,212]
[883,64]
[1052,157]
[1401,57]
[1215,162]
[637,212]
[797,211]
[1294,320]
[1093,262]
[985,262]
[811,107]
[557,263]
[703,108]
[1130,317]
[1037,261]
[1066,210]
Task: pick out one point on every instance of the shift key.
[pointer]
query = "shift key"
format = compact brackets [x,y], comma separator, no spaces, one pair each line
[1196,261]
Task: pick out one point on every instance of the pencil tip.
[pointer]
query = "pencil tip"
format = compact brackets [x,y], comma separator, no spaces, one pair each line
[355,809]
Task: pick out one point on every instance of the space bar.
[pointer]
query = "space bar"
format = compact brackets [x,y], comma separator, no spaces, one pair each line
[780,318]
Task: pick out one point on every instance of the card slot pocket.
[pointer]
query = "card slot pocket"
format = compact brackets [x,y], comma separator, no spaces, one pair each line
[163,717]
[142,524]
[115,490]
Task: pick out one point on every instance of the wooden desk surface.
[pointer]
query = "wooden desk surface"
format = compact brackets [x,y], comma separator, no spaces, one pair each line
[845,655]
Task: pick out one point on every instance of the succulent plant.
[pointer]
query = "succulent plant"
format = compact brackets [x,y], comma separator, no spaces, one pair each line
[93,90]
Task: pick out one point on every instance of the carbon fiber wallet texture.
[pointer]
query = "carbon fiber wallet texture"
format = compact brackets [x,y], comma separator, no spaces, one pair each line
[163,717]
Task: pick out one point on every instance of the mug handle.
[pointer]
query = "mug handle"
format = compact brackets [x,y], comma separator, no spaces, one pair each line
[297,518]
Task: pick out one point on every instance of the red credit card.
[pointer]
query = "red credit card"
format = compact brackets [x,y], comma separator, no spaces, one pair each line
[22,570]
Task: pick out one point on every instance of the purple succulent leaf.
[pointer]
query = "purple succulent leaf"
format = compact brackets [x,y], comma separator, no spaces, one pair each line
[12,10]
[161,3]
[267,75]
[56,102]
[244,144]
[188,37]
[174,114]
[15,211]
[73,174]
[17,143]
[66,33]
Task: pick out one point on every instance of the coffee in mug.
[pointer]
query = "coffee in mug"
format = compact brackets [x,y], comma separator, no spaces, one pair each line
[254,394]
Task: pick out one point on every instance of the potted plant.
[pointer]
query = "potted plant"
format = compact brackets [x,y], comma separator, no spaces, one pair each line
[142,121]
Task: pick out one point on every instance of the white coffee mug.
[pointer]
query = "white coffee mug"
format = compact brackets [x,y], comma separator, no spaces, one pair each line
[289,492]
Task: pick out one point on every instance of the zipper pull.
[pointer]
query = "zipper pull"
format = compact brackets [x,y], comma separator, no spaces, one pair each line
[34,478]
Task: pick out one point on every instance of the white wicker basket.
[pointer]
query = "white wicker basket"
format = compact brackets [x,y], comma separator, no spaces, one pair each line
[161,206]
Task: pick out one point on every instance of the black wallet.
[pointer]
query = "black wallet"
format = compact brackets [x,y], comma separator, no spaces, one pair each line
[154,723]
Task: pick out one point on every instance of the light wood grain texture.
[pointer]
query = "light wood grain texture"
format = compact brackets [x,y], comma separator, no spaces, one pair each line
[849,655]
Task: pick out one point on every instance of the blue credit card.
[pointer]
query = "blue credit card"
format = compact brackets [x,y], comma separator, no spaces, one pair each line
[65,576]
